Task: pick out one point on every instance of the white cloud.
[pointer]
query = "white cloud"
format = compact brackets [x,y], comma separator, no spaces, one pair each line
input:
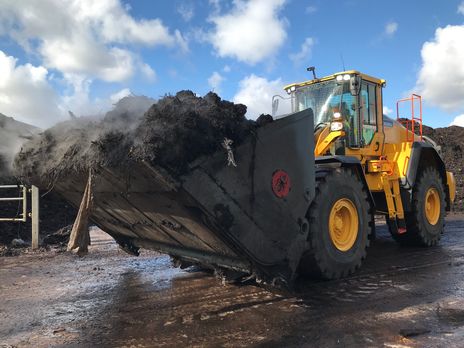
[386,110]
[441,77]
[186,10]
[26,94]
[181,42]
[148,71]
[89,59]
[461,8]
[458,121]
[391,28]
[114,98]
[83,37]
[310,9]
[256,93]
[226,69]
[77,97]
[251,32]
[77,42]
[215,81]
[114,24]
[304,53]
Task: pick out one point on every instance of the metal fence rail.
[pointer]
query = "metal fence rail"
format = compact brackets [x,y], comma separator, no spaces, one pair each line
[23,216]
[22,197]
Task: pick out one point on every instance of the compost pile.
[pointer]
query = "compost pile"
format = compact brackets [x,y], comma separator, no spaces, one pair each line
[170,133]
[3,165]
[451,140]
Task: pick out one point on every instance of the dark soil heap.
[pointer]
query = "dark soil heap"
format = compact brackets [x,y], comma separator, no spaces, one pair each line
[179,129]
[171,134]
[3,165]
[451,140]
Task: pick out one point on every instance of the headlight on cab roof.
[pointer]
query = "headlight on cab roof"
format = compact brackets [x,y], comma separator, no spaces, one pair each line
[291,89]
[345,77]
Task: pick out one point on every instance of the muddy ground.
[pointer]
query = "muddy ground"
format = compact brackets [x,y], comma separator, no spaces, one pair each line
[403,297]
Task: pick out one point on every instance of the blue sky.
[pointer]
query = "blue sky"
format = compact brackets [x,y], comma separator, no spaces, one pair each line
[69,55]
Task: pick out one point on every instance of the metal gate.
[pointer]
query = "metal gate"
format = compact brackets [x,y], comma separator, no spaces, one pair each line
[24,215]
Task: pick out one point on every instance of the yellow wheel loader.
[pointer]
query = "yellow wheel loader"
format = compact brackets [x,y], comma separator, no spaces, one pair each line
[366,164]
[298,196]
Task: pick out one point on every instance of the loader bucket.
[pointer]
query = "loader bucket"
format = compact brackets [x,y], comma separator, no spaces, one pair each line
[248,217]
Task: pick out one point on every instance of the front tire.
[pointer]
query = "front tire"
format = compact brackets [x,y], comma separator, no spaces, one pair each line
[425,223]
[340,222]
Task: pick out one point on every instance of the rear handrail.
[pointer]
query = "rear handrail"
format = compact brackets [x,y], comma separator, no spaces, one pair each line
[410,121]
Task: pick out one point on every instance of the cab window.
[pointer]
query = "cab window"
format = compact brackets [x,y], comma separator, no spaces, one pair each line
[368,111]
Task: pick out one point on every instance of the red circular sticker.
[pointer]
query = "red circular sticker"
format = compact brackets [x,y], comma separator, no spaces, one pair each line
[281,183]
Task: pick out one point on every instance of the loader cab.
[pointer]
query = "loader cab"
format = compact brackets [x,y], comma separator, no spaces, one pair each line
[348,102]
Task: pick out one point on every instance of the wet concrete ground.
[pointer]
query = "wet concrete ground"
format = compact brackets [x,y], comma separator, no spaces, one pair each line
[402,297]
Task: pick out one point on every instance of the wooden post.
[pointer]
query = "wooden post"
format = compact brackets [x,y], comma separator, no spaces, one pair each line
[35,217]
[80,237]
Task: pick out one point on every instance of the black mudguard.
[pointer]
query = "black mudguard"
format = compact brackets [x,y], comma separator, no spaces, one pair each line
[424,154]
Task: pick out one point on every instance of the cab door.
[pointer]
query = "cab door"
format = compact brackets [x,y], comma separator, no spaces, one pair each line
[369,132]
[368,109]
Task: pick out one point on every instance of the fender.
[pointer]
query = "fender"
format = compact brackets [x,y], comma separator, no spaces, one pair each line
[424,154]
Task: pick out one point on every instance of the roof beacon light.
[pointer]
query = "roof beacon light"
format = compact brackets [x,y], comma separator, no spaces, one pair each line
[346,77]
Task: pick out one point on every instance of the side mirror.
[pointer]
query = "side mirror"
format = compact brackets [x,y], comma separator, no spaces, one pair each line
[355,85]
[275,106]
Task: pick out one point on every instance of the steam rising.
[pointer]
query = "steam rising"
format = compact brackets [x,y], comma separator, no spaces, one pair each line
[12,135]
[169,133]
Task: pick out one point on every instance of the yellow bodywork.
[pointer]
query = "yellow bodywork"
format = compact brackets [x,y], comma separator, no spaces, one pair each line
[325,140]
[385,160]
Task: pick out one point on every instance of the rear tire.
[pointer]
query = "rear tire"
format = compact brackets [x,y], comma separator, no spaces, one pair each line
[340,222]
[425,223]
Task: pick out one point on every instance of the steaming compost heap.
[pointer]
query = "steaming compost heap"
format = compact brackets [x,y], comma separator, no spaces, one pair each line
[172,133]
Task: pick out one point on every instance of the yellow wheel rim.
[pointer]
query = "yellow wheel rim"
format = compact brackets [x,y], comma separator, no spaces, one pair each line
[432,206]
[343,224]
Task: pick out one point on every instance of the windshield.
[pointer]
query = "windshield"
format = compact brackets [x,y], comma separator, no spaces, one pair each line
[325,98]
